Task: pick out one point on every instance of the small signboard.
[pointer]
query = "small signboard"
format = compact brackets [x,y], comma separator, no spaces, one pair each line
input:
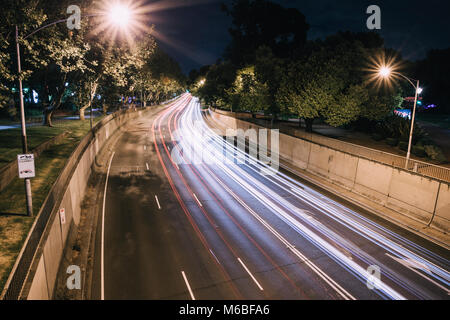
[62,215]
[26,166]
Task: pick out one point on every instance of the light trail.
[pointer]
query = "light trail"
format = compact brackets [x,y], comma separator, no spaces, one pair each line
[341,291]
[220,203]
[316,201]
[186,211]
[289,213]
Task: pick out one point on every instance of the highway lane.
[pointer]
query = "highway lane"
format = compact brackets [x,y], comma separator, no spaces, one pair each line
[147,249]
[223,230]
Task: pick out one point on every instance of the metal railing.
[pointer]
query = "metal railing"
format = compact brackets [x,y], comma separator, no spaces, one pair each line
[416,166]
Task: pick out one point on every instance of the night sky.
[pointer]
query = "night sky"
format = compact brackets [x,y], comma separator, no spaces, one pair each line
[197,33]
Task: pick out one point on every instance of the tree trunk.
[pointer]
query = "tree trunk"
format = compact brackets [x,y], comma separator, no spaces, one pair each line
[272,120]
[309,124]
[82,111]
[48,112]
[82,117]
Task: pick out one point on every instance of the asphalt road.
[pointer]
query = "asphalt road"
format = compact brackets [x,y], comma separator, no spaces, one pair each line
[184,225]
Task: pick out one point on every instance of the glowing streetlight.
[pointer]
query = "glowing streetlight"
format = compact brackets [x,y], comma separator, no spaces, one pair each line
[119,15]
[386,72]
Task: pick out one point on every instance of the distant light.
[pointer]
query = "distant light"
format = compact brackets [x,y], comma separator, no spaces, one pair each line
[404,113]
[419,90]
[66,84]
[35,97]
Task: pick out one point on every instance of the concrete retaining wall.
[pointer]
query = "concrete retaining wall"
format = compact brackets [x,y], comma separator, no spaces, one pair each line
[423,199]
[67,193]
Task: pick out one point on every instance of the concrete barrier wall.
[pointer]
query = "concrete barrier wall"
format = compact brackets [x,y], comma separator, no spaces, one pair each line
[41,279]
[420,198]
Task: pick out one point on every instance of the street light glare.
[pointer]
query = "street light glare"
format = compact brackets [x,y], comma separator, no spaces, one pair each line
[120,15]
[385,71]
[419,90]
[122,20]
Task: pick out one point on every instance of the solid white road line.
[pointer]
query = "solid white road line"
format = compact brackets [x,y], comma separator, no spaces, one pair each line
[146,164]
[102,258]
[197,200]
[187,285]
[251,275]
[157,202]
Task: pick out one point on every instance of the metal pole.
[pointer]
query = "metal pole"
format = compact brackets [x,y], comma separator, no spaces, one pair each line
[29,199]
[91,116]
[408,155]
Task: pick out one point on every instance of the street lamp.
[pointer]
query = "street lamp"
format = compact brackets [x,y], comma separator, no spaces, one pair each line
[386,72]
[119,15]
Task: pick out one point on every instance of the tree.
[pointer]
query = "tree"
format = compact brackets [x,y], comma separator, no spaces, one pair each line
[67,58]
[54,52]
[159,78]
[328,81]
[259,23]
[380,104]
[269,71]
[27,14]
[248,93]
[219,79]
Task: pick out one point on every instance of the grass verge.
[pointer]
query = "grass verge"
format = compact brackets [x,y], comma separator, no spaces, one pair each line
[14,226]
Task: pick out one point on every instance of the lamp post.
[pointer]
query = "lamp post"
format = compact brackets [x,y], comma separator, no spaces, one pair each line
[119,15]
[29,199]
[386,72]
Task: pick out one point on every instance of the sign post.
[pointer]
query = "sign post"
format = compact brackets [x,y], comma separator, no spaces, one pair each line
[25,164]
